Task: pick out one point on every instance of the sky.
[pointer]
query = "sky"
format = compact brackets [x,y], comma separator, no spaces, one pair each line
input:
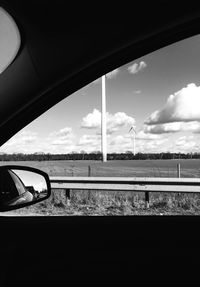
[158,94]
[31,179]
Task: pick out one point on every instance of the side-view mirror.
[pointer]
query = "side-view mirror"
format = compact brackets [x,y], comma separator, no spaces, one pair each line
[21,186]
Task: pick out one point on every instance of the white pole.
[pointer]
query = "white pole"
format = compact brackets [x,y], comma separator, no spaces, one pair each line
[133,131]
[134,143]
[103,120]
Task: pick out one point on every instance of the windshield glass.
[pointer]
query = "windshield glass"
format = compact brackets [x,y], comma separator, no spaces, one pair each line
[138,125]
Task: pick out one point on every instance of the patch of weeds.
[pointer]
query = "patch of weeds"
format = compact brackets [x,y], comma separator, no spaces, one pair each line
[140,204]
[185,205]
[114,210]
[128,210]
[170,203]
[59,204]
[159,204]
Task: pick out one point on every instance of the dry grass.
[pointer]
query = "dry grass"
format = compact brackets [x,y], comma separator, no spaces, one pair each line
[115,203]
[110,203]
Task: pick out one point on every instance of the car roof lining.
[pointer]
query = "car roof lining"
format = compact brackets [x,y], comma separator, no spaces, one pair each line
[9,34]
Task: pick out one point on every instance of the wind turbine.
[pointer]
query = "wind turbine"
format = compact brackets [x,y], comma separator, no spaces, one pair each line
[134,133]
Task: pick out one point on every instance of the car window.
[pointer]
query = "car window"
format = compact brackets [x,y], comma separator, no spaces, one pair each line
[152,131]
[9,39]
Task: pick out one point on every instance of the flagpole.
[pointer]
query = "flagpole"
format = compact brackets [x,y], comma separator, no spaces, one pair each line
[103,120]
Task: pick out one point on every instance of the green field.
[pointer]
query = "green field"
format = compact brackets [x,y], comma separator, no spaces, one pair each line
[115,203]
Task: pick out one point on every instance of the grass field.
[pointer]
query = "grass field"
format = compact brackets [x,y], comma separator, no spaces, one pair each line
[149,168]
[115,203]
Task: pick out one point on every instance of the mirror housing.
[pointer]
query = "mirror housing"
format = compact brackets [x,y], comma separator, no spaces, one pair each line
[22,186]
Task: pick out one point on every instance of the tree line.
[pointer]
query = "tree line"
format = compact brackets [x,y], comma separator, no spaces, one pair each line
[96,156]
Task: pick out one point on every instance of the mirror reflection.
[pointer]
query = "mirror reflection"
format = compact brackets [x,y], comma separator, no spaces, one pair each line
[20,187]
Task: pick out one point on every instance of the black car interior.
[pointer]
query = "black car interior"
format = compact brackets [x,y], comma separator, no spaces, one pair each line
[64,47]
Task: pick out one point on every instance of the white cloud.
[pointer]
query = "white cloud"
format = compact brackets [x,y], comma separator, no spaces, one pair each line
[163,128]
[62,132]
[22,138]
[114,122]
[29,142]
[92,120]
[89,143]
[62,137]
[119,120]
[181,141]
[120,143]
[112,74]
[40,186]
[23,142]
[62,141]
[89,139]
[156,146]
[193,126]
[26,137]
[144,143]
[135,68]
[184,105]
[145,136]
[185,144]
[109,76]
[137,92]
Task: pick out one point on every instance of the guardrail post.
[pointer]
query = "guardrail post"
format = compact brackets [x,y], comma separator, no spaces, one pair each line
[178,174]
[67,194]
[89,174]
[89,170]
[147,199]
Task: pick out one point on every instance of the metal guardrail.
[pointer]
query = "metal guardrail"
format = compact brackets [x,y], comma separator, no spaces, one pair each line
[138,184]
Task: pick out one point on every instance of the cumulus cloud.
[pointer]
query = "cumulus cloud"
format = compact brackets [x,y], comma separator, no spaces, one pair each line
[89,143]
[193,126]
[135,68]
[62,137]
[142,135]
[23,142]
[119,120]
[181,141]
[62,132]
[120,143]
[89,139]
[92,120]
[185,144]
[22,138]
[61,141]
[183,106]
[114,121]
[143,143]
